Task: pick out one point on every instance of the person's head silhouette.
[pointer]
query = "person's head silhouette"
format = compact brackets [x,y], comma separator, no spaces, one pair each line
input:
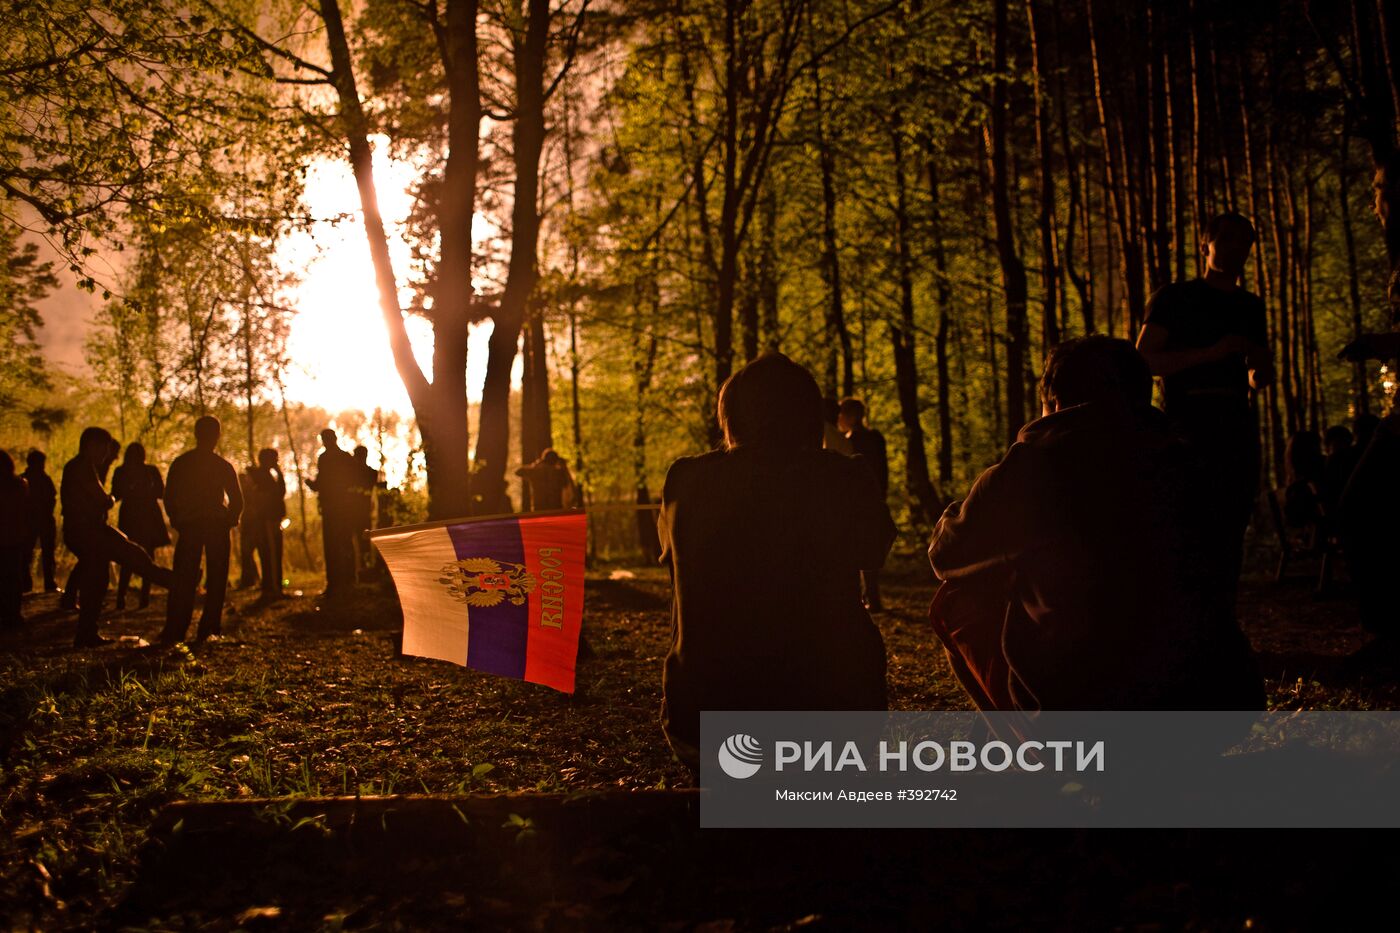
[1095,369]
[362,453]
[7,466]
[95,444]
[1228,239]
[206,432]
[771,403]
[267,458]
[135,454]
[1337,439]
[328,439]
[850,414]
[36,460]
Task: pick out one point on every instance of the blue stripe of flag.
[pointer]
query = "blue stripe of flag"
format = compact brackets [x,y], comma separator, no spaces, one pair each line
[496,635]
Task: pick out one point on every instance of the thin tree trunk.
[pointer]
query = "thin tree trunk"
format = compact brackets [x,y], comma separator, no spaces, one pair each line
[1013,271]
[1115,170]
[928,505]
[297,469]
[1049,273]
[1361,396]
[943,294]
[838,335]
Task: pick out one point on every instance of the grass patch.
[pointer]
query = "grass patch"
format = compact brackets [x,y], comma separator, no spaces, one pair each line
[305,702]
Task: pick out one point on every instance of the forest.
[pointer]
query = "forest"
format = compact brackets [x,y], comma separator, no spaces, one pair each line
[463,233]
[917,200]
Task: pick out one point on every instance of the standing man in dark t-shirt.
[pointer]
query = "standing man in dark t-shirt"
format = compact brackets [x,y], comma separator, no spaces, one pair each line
[204,500]
[1208,340]
[868,446]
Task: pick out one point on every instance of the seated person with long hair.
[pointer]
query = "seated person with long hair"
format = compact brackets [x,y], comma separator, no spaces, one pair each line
[766,539]
[1074,574]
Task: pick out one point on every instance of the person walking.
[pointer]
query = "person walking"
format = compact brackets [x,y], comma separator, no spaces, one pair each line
[95,543]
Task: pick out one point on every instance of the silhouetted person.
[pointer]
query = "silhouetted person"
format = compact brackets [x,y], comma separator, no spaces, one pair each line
[137,485]
[204,503]
[551,483]
[72,590]
[765,539]
[868,445]
[833,438]
[14,541]
[93,542]
[1302,496]
[1364,428]
[1208,340]
[250,525]
[1071,574]
[43,530]
[269,491]
[363,479]
[334,475]
[1370,508]
[1341,460]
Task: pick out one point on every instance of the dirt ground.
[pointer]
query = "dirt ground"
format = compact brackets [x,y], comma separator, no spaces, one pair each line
[300,701]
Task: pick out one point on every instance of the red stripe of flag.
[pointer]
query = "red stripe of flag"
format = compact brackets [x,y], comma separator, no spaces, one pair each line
[554,555]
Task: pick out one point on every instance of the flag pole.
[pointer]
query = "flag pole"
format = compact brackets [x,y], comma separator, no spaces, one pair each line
[554,513]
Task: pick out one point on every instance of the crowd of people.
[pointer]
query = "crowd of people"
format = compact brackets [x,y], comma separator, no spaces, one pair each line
[1094,567]
[204,500]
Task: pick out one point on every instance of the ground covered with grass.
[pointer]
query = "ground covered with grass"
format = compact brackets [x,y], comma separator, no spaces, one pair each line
[301,701]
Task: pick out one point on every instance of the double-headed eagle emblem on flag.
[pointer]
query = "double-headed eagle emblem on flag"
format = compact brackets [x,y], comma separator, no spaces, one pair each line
[483,581]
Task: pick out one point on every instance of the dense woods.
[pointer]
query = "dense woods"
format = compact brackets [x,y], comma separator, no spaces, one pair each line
[915,199]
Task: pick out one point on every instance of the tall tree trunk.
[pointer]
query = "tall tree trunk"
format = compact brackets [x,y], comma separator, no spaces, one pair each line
[1078,196]
[838,335]
[767,285]
[1361,396]
[1200,174]
[928,505]
[943,294]
[527,136]
[440,407]
[297,471]
[1013,271]
[1283,320]
[1049,272]
[1116,183]
[643,369]
[536,429]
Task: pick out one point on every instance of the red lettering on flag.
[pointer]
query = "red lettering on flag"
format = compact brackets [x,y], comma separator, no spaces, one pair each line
[553,548]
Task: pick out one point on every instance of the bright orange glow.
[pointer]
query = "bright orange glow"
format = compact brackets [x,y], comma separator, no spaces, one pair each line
[338,344]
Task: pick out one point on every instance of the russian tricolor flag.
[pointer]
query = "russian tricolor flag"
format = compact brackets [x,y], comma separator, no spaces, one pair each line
[501,595]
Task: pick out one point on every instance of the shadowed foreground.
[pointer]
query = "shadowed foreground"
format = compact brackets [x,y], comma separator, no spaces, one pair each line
[299,705]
